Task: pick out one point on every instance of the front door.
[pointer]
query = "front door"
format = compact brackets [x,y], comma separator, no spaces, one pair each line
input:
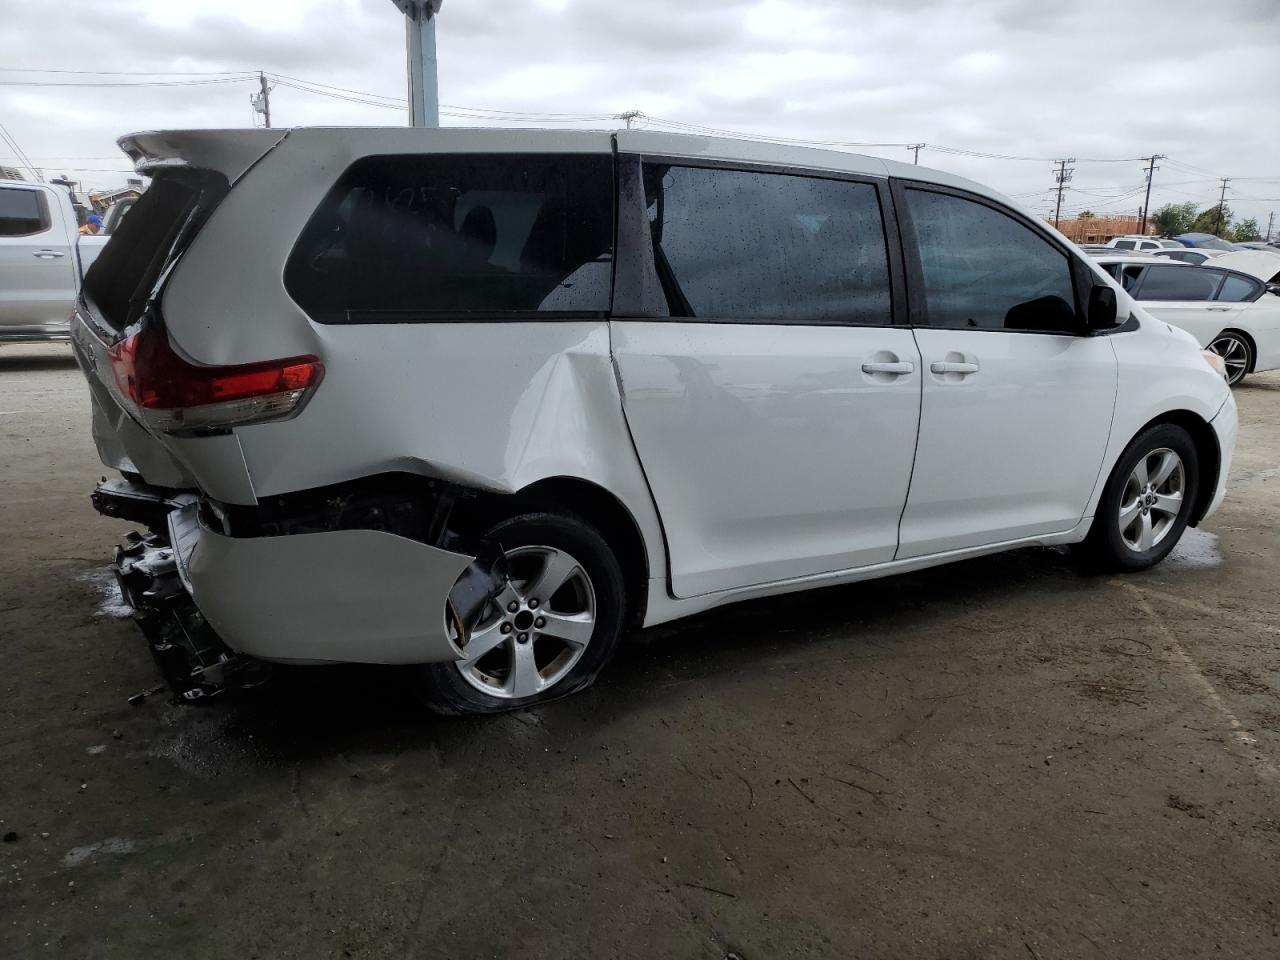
[1017,402]
[775,409]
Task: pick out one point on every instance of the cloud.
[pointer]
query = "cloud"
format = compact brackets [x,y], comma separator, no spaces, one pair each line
[1092,79]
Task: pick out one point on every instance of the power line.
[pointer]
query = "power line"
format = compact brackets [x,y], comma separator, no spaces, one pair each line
[128,73]
[122,83]
[17,150]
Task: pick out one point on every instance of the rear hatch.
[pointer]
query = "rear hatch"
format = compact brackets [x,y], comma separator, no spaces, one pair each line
[192,172]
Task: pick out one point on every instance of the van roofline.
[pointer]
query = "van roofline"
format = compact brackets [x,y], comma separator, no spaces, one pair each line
[234,151]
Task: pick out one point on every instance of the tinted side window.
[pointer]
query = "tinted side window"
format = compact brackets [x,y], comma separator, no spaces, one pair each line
[1237,290]
[1178,283]
[736,244]
[985,270]
[1124,245]
[22,212]
[402,238]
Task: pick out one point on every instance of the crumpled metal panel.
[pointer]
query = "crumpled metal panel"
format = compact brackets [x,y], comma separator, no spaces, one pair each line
[359,596]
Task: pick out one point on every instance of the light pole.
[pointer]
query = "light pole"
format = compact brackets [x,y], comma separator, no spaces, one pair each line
[420,41]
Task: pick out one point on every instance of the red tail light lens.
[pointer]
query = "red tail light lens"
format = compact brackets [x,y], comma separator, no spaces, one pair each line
[173,395]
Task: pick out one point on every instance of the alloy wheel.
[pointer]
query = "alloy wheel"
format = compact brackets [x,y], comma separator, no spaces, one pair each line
[536,630]
[1152,499]
[1235,355]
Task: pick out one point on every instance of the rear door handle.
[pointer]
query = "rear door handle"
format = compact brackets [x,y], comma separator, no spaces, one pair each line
[898,367]
[950,366]
[48,254]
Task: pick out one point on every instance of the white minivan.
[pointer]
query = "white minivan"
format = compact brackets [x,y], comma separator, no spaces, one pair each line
[480,400]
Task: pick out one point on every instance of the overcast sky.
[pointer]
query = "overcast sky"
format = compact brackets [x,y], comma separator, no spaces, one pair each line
[1090,78]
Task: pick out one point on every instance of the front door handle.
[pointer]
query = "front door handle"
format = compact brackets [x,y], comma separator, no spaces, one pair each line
[48,254]
[952,366]
[899,367]
[1219,309]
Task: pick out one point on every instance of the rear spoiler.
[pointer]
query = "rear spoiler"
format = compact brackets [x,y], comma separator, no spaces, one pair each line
[229,152]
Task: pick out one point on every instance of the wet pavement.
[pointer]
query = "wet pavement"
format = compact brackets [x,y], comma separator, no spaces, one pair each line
[1001,758]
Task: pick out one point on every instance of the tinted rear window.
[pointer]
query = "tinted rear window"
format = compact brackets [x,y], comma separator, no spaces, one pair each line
[1178,283]
[22,212]
[404,238]
[164,218]
[1238,289]
[735,244]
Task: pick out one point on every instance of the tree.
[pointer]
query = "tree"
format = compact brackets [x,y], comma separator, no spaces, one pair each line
[1246,229]
[1084,215]
[1213,221]
[1174,218]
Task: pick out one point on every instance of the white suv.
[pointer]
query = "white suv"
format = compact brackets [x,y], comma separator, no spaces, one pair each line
[479,400]
[1141,243]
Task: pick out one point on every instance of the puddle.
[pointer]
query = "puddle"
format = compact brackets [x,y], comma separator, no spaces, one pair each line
[1197,550]
[110,603]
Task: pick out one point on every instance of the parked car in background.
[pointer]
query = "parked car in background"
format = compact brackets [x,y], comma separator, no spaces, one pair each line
[1264,245]
[1230,312]
[1192,255]
[477,400]
[1142,243]
[1204,241]
[42,257]
[1256,263]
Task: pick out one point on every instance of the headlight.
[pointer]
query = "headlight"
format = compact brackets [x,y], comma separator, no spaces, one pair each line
[1215,361]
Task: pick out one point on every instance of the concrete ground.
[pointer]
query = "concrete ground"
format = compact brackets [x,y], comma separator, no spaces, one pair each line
[1003,758]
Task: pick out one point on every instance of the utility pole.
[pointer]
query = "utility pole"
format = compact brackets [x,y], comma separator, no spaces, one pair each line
[1062,176]
[266,99]
[915,147]
[1222,205]
[1146,204]
[420,43]
[628,116]
[1270,220]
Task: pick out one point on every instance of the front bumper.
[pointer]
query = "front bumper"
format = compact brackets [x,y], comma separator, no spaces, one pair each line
[1225,425]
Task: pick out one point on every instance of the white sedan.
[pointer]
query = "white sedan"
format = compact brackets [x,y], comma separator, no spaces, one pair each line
[1233,312]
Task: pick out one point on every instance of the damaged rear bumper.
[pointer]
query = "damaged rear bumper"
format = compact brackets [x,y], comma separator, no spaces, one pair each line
[341,596]
[208,601]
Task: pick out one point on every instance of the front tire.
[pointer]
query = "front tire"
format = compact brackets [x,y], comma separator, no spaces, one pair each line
[549,633]
[1147,501]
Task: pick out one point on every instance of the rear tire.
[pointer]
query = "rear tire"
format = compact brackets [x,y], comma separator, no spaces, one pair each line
[1236,352]
[551,631]
[1146,503]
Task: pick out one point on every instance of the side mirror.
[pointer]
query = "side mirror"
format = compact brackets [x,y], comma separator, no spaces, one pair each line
[1274,288]
[1102,308]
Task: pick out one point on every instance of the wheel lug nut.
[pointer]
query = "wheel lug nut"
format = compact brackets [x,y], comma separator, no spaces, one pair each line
[540,622]
[522,638]
[533,604]
[512,607]
[506,628]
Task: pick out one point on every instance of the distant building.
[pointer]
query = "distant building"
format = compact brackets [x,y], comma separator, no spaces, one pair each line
[1101,229]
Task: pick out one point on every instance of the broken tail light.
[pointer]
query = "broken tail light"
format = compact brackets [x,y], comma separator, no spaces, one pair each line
[173,396]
